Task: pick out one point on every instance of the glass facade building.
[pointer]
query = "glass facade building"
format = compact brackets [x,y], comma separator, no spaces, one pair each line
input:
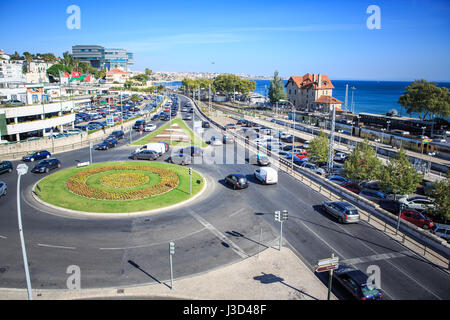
[103,58]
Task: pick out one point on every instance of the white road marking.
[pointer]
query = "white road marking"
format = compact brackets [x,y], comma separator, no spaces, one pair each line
[3,237]
[235,213]
[377,257]
[220,235]
[57,247]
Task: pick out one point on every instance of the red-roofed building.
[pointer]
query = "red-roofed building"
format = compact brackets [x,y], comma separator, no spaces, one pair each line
[117,75]
[311,92]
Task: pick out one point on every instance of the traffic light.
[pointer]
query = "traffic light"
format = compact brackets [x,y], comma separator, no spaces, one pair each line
[284,215]
[190,171]
[172,248]
[277,216]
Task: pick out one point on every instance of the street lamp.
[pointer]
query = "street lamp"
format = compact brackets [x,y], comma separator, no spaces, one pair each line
[388,123]
[22,169]
[376,146]
[422,137]
[430,154]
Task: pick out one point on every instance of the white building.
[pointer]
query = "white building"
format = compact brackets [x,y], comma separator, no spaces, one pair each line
[36,71]
[11,72]
[118,76]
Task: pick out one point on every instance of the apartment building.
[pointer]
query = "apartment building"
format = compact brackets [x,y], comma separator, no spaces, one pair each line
[103,58]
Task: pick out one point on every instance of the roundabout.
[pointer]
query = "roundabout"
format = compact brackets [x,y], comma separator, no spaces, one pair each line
[119,187]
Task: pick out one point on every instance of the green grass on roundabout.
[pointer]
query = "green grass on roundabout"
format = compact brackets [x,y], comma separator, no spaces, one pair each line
[53,188]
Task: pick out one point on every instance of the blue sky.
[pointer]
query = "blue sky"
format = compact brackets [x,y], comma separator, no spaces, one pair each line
[251,37]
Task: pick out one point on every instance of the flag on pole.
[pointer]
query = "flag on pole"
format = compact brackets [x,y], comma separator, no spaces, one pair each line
[76,74]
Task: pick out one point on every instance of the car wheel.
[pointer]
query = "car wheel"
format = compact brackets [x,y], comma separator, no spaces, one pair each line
[341,220]
[234,187]
[32,159]
[426,227]
[6,192]
[47,170]
[48,156]
[10,170]
[59,165]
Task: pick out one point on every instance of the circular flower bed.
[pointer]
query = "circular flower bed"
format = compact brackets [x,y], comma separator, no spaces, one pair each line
[124,180]
[77,183]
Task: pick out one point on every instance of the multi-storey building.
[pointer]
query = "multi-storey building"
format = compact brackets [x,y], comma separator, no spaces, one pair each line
[11,72]
[312,92]
[103,58]
[36,71]
[117,76]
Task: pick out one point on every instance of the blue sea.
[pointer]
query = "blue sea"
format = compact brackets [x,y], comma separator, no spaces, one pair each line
[377,97]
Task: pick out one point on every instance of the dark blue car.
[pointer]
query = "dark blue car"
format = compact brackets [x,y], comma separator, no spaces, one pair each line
[38,155]
[46,165]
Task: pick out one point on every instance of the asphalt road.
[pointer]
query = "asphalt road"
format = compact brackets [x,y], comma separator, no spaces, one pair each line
[221,227]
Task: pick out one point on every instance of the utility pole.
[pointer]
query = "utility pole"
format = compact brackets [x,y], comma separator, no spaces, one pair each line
[209,98]
[346,98]
[331,148]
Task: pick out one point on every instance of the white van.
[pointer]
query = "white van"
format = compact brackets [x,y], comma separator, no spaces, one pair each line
[266,175]
[158,147]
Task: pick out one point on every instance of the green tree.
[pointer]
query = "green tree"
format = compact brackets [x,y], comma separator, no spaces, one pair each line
[128,84]
[426,99]
[318,148]
[148,71]
[399,176]
[15,56]
[229,83]
[54,69]
[135,98]
[67,59]
[441,194]
[362,163]
[28,58]
[276,89]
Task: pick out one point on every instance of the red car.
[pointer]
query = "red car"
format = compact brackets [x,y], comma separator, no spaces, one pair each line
[353,187]
[417,218]
[302,155]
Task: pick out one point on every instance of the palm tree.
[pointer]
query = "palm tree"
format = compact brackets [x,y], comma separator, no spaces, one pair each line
[28,58]
[135,98]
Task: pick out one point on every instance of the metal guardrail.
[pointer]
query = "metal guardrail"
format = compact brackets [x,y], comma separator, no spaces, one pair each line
[428,244]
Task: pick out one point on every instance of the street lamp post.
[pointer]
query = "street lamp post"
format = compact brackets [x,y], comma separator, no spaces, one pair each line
[421,138]
[22,169]
[293,133]
[429,165]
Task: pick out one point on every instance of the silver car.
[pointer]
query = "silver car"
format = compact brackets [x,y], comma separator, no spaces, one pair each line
[3,189]
[343,211]
[418,203]
[313,168]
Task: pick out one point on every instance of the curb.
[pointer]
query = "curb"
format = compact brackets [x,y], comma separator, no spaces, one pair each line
[120,215]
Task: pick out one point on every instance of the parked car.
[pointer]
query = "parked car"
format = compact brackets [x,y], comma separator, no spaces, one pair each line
[205,124]
[187,117]
[215,142]
[107,144]
[145,155]
[237,181]
[302,155]
[149,127]
[3,189]
[181,159]
[242,122]
[343,211]
[375,196]
[46,165]
[353,187]
[6,166]
[417,218]
[230,126]
[266,175]
[338,179]
[119,134]
[441,230]
[418,203]
[38,155]
[15,102]
[340,156]
[260,160]
[355,282]
[313,168]
[155,117]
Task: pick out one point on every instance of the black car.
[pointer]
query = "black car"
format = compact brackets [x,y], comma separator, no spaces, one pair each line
[205,124]
[192,151]
[237,181]
[107,144]
[155,117]
[356,283]
[241,122]
[46,165]
[145,155]
[119,134]
[138,124]
[6,166]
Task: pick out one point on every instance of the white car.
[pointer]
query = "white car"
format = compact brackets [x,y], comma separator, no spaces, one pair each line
[215,141]
[3,189]
[417,203]
[340,156]
[313,168]
[266,175]
[150,127]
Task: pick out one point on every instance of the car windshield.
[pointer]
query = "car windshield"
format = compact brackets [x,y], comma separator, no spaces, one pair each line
[352,212]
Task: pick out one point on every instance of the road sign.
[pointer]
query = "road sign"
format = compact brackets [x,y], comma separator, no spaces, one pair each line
[110,121]
[327,268]
[324,262]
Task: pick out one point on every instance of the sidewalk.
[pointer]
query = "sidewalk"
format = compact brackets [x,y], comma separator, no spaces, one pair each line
[274,275]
